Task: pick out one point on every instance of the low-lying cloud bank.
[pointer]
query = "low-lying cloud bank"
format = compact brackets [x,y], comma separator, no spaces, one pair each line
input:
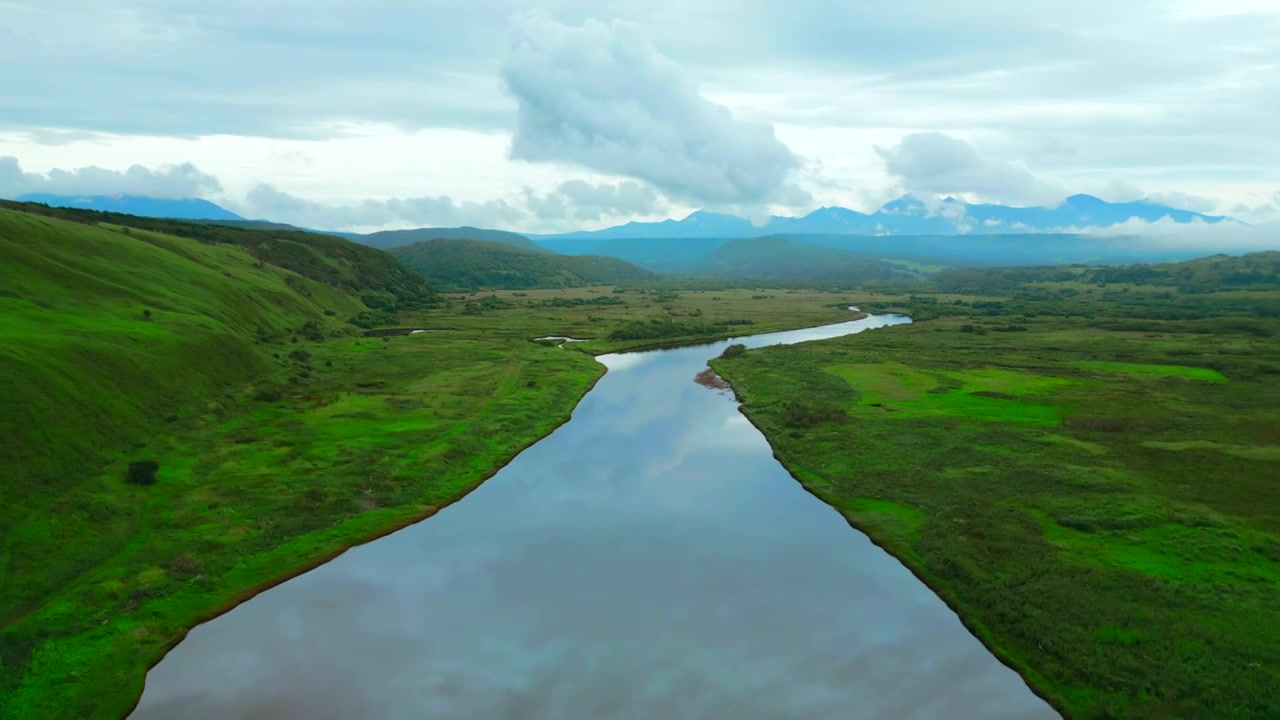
[168,181]
[1209,238]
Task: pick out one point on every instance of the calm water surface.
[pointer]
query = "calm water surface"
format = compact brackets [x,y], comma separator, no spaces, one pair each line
[649,559]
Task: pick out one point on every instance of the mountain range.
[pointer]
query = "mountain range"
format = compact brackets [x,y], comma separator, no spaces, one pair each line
[907,215]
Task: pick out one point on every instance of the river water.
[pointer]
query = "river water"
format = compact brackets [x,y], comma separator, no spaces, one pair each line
[648,559]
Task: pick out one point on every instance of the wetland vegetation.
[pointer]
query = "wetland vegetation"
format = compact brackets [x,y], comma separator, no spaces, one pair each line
[1094,492]
[1081,461]
[191,417]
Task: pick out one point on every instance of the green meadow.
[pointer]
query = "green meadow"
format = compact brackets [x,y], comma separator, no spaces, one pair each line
[1093,491]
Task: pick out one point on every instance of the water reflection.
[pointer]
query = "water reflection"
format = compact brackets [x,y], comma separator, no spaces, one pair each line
[649,559]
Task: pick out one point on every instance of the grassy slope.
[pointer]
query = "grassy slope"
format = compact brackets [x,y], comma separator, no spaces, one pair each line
[85,376]
[388,239]
[1099,505]
[274,454]
[477,263]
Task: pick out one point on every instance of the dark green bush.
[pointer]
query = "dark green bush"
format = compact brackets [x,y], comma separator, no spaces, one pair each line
[142,472]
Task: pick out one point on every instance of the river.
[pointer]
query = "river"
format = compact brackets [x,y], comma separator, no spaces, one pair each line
[648,559]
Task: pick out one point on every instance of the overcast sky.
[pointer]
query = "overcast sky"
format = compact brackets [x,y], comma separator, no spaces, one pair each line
[337,113]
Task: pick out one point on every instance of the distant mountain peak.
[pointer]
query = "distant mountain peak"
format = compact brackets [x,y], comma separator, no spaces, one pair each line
[1083,199]
[909,215]
[906,204]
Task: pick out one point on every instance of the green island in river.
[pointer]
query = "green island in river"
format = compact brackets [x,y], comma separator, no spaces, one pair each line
[1080,461]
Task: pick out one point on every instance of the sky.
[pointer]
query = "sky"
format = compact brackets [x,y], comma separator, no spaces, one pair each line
[364,115]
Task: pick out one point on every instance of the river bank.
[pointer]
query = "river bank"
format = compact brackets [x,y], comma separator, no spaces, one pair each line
[651,491]
[1025,477]
[1035,682]
[351,439]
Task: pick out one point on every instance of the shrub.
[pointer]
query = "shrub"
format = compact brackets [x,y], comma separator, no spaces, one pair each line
[801,415]
[269,393]
[734,350]
[142,472]
[312,331]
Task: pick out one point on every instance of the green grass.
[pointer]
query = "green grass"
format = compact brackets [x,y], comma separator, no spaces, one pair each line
[578,313]
[251,491]
[1180,371]
[982,393]
[486,264]
[278,447]
[1105,513]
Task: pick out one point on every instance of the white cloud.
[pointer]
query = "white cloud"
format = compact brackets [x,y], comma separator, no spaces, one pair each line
[569,205]
[1221,237]
[585,201]
[1262,211]
[1185,201]
[929,163]
[170,181]
[267,202]
[1177,98]
[603,97]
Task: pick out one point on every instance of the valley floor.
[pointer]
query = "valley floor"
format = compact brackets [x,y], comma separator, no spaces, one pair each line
[1100,506]
[350,438]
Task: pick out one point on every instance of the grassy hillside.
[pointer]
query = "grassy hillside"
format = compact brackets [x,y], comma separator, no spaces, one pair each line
[480,264]
[107,333]
[772,257]
[1086,473]
[326,259]
[112,333]
[661,255]
[388,239]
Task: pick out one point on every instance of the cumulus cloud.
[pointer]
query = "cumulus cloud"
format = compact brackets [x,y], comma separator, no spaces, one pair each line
[170,181]
[581,200]
[934,163]
[567,206]
[1262,211]
[601,96]
[1184,201]
[1220,237]
[265,201]
[573,201]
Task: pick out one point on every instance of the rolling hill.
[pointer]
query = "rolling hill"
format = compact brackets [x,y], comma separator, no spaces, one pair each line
[106,328]
[388,239]
[484,264]
[661,255]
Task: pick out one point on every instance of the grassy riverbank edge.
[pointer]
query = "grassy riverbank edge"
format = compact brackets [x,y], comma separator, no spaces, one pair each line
[340,544]
[1034,681]
[303,553]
